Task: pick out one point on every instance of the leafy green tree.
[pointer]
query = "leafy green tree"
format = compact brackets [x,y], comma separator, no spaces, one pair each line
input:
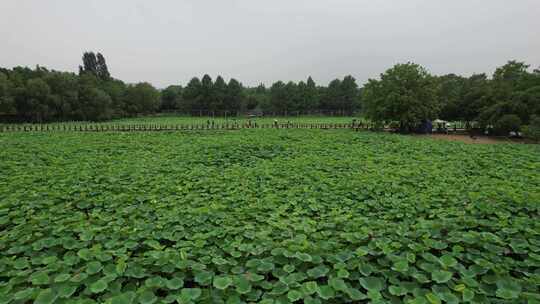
[235,96]
[349,95]
[142,98]
[406,93]
[278,98]
[331,96]
[477,96]
[95,104]
[311,96]
[508,123]
[64,93]
[207,92]
[102,69]
[292,99]
[508,78]
[90,64]
[532,130]
[219,95]
[95,65]
[450,95]
[171,98]
[116,89]
[33,100]
[7,103]
[192,95]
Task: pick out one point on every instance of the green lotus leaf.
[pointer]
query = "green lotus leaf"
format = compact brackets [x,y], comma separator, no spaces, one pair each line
[401,266]
[303,257]
[433,298]
[468,295]
[155,282]
[222,282]
[361,251]
[289,268]
[398,290]
[174,283]
[233,299]
[21,263]
[318,272]
[294,295]
[65,290]
[441,276]
[449,298]
[24,294]
[189,294]
[46,296]
[338,284]
[204,277]
[343,273]
[372,283]
[93,267]
[279,288]
[98,286]
[508,288]
[418,300]
[326,292]
[243,285]
[265,266]
[310,287]
[310,300]
[355,294]
[40,278]
[124,298]
[62,277]
[147,297]
[85,254]
[448,261]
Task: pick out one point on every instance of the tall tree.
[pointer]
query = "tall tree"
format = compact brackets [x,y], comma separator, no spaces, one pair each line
[331,98]
[450,95]
[90,64]
[171,98]
[278,98]
[7,103]
[234,96]
[219,95]
[349,98]
[405,93]
[102,69]
[207,93]
[311,98]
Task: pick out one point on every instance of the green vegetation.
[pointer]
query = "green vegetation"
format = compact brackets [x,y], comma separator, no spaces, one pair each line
[164,120]
[266,216]
[406,95]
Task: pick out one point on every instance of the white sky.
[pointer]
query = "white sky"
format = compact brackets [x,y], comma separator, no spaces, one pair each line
[168,42]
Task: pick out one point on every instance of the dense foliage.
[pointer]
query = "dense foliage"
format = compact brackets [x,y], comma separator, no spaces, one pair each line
[208,97]
[41,95]
[408,94]
[405,94]
[266,216]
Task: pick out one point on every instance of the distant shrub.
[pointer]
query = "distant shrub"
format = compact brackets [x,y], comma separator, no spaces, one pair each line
[508,123]
[532,130]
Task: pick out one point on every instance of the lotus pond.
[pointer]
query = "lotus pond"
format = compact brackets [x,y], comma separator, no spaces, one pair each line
[266,216]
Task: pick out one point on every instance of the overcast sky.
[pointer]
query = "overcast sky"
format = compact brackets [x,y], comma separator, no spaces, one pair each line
[168,42]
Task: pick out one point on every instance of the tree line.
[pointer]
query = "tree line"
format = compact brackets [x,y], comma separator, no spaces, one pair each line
[42,95]
[218,97]
[406,95]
